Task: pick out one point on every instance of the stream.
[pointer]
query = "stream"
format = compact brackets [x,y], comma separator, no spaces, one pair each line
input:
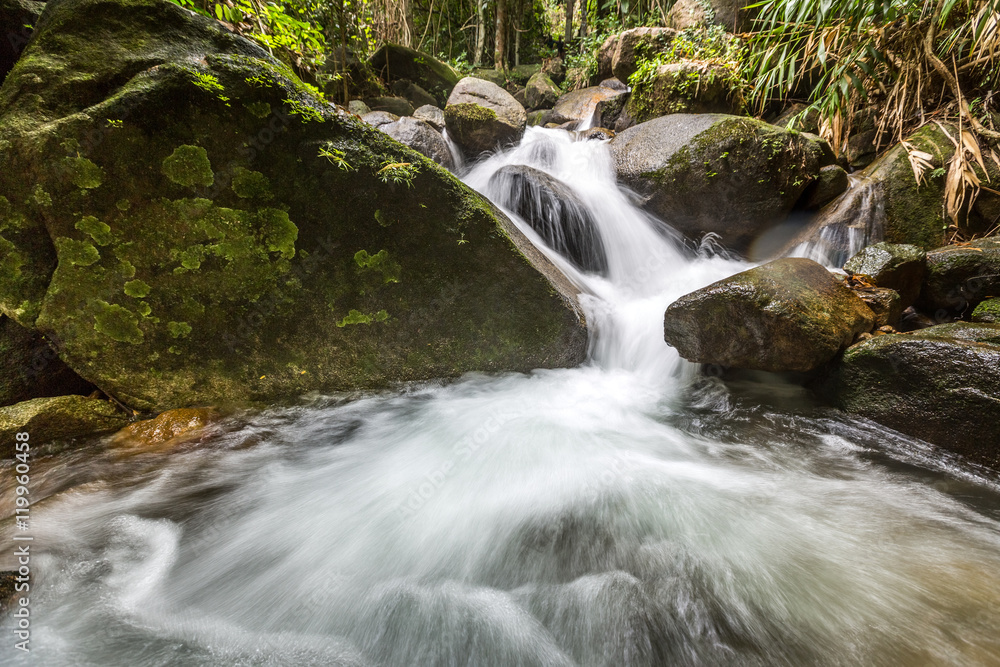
[635,510]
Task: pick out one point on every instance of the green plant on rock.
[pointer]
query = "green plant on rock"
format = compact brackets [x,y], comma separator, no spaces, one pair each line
[398,172]
[336,157]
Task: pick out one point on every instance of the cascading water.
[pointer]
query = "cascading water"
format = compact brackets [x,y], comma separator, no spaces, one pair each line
[627,512]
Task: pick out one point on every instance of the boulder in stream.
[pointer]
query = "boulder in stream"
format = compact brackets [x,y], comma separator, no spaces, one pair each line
[597,105]
[729,175]
[57,418]
[541,92]
[898,267]
[481,116]
[940,384]
[431,115]
[960,276]
[199,229]
[555,212]
[422,138]
[788,315]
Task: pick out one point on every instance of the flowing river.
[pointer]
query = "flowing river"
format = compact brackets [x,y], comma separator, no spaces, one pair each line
[633,511]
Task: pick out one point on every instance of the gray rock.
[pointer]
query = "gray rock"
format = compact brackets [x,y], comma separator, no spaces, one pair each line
[614,84]
[938,384]
[730,175]
[421,137]
[431,115]
[596,104]
[394,105]
[414,94]
[379,118]
[897,267]
[830,184]
[733,15]
[482,116]
[635,44]
[788,315]
[884,303]
[541,91]
[394,62]
[959,277]
[358,108]
[57,418]
[555,212]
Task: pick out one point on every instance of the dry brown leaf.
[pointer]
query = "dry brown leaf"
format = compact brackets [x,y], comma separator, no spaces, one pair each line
[920,161]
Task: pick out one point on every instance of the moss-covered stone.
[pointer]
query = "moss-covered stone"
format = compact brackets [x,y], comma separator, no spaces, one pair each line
[940,384]
[914,213]
[216,259]
[57,418]
[960,276]
[394,62]
[31,368]
[17,18]
[481,116]
[685,87]
[729,175]
[987,312]
[788,315]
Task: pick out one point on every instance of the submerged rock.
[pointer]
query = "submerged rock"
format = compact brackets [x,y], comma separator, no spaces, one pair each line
[394,62]
[960,276]
[788,315]
[555,212]
[729,175]
[940,384]
[215,234]
[166,429]
[57,418]
[898,267]
[482,116]
[422,138]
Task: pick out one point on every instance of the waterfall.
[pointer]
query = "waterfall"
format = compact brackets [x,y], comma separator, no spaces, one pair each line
[631,512]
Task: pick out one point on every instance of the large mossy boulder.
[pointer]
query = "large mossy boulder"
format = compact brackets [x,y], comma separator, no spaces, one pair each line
[913,213]
[685,87]
[555,212]
[729,175]
[191,225]
[31,368]
[960,276]
[733,15]
[788,315]
[17,17]
[633,45]
[481,116]
[541,92]
[940,384]
[57,418]
[898,267]
[394,62]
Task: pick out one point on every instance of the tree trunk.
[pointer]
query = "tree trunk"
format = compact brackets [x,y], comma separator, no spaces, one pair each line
[407,11]
[568,33]
[583,18]
[500,54]
[477,59]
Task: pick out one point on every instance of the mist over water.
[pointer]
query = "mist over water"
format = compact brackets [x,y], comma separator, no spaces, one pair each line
[632,511]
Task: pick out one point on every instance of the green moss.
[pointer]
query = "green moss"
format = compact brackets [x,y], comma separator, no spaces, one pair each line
[84,173]
[137,289]
[5,210]
[987,311]
[123,205]
[179,329]
[357,317]
[40,197]
[78,253]
[249,184]
[117,323]
[380,262]
[126,269]
[473,113]
[280,233]
[97,230]
[145,309]
[259,109]
[189,166]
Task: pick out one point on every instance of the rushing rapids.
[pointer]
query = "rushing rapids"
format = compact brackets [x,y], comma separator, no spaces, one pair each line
[632,511]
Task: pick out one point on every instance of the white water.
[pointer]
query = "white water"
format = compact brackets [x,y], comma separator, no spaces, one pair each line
[628,512]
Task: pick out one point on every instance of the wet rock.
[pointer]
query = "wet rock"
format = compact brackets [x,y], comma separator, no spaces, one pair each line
[414,94]
[939,384]
[16,17]
[379,119]
[422,138]
[482,116]
[614,84]
[596,133]
[788,315]
[430,115]
[987,312]
[394,62]
[636,44]
[729,175]
[895,266]
[398,106]
[597,105]
[913,213]
[685,87]
[539,117]
[959,277]
[358,108]
[830,184]
[165,430]
[541,92]
[884,303]
[232,239]
[31,368]
[733,15]
[555,212]
[57,418]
